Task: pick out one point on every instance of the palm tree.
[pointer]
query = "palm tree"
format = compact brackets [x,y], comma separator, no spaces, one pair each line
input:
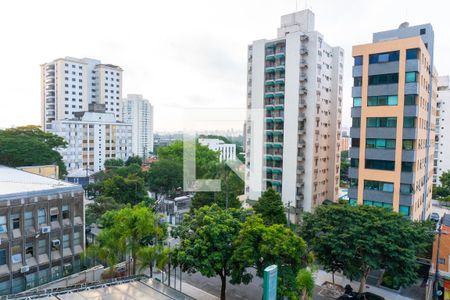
[146,258]
[305,284]
[108,250]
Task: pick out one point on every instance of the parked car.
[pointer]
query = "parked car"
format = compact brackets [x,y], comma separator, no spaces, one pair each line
[434,217]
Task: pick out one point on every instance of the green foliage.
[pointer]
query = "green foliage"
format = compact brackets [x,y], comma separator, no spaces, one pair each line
[305,284]
[113,163]
[345,164]
[125,190]
[30,146]
[442,192]
[260,246]
[134,160]
[271,208]
[359,239]
[207,241]
[165,177]
[101,205]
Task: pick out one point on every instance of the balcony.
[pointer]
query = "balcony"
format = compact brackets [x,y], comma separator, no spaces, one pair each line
[269,82]
[355,112]
[269,107]
[50,74]
[270,69]
[269,95]
[301,131]
[353,152]
[352,172]
[409,155]
[301,143]
[380,154]
[303,51]
[279,94]
[303,78]
[269,132]
[301,157]
[279,106]
[279,55]
[300,170]
[277,145]
[277,157]
[407,177]
[278,132]
[268,145]
[301,116]
[279,81]
[278,119]
[269,120]
[355,132]
[49,67]
[268,157]
[270,57]
[303,91]
[279,68]
[276,170]
[411,111]
[304,38]
[302,103]
[303,64]
[377,133]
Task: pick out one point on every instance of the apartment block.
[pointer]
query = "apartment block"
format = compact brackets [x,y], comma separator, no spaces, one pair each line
[227,151]
[442,138]
[41,229]
[69,85]
[393,121]
[92,138]
[294,100]
[138,112]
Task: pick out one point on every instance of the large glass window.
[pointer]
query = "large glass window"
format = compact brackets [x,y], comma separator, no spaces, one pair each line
[412,53]
[28,220]
[42,216]
[390,122]
[354,162]
[3,228]
[405,189]
[375,164]
[76,238]
[382,100]
[29,250]
[408,144]
[54,212]
[408,122]
[404,210]
[378,186]
[407,166]
[2,257]
[356,122]
[357,102]
[15,221]
[65,212]
[355,142]
[383,79]
[410,99]
[387,206]
[410,77]
[42,247]
[380,143]
[358,60]
[66,241]
[353,201]
[384,57]
[357,81]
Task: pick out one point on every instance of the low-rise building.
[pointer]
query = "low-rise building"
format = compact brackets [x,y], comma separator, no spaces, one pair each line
[41,229]
[51,171]
[227,151]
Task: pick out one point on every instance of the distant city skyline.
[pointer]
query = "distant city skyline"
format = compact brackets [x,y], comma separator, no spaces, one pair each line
[183,55]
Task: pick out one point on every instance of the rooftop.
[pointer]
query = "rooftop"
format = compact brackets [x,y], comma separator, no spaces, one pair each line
[15,183]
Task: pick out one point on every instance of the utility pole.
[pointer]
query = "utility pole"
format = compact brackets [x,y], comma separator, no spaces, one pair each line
[289,214]
[436,274]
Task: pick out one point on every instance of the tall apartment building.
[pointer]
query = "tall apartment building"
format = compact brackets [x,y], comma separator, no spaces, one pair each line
[41,229]
[394,111]
[69,85]
[139,112]
[294,99]
[442,138]
[92,138]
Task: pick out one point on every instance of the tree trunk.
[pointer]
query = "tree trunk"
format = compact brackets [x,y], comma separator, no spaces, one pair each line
[362,284]
[224,286]
[168,273]
[151,271]
[332,276]
[304,296]
[133,256]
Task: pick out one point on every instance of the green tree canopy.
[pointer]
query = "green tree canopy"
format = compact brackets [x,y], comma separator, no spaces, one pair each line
[260,246]
[101,205]
[125,190]
[364,238]
[207,241]
[165,177]
[113,163]
[30,146]
[271,208]
[305,284]
[134,160]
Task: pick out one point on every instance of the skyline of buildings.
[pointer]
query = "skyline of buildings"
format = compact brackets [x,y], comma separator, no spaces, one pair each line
[442,140]
[294,99]
[394,109]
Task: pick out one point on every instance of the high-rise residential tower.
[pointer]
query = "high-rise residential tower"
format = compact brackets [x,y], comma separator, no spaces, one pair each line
[294,98]
[442,138]
[138,112]
[69,85]
[394,114]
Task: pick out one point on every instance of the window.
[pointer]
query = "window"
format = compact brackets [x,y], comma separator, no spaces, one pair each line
[16,254]
[66,241]
[410,99]
[352,201]
[378,186]
[358,60]
[404,210]
[380,143]
[357,81]
[389,122]
[410,77]
[375,164]
[378,204]
[356,122]
[383,79]
[28,220]
[384,57]
[412,53]
[15,221]
[354,162]
[42,217]
[407,166]
[357,102]
[29,250]
[423,31]
[54,212]
[76,238]
[408,122]
[405,189]
[355,143]
[65,212]
[3,228]
[42,247]
[408,144]
[382,100]
[2,257]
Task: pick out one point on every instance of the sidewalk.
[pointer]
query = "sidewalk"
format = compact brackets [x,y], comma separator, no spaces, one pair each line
[322,276]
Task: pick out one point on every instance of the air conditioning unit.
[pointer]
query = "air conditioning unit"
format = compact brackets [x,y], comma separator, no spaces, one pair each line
[56,243]
[46,229]
[24,269]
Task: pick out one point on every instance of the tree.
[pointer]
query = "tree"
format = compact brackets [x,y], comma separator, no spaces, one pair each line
[305,284]
[345,164]
[260,246]
[207,242]
[101,205]
[365,238]
[132,228]
[165,177]
[134,160]
[271,208]
[125,190]
[442,191]
[113,163]
[30,146]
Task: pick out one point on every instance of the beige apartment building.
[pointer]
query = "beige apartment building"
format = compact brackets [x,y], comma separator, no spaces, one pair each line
[393,121]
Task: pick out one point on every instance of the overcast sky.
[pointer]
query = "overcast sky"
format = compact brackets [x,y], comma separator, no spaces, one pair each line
[186,57]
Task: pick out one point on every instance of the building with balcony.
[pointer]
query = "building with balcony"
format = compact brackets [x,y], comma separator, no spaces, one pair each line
[442,138]
[138,112]
[41,229]
[69,85]
[393,121]
[227,151]
[294,99]
[92,138]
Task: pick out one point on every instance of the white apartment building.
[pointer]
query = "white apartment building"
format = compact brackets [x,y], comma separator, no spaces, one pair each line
[442,138]
[138,112]
[294,100]
[227,151]
[69,85]
[92,138]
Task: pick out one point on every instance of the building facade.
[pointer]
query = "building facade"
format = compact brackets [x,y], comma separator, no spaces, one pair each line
[138,112]
[442,139]
[92,138]
[41,229]
[69,85]
[393,121]
[294,99]
[227,151]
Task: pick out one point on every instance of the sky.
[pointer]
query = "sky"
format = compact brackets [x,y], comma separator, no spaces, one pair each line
[188,58]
